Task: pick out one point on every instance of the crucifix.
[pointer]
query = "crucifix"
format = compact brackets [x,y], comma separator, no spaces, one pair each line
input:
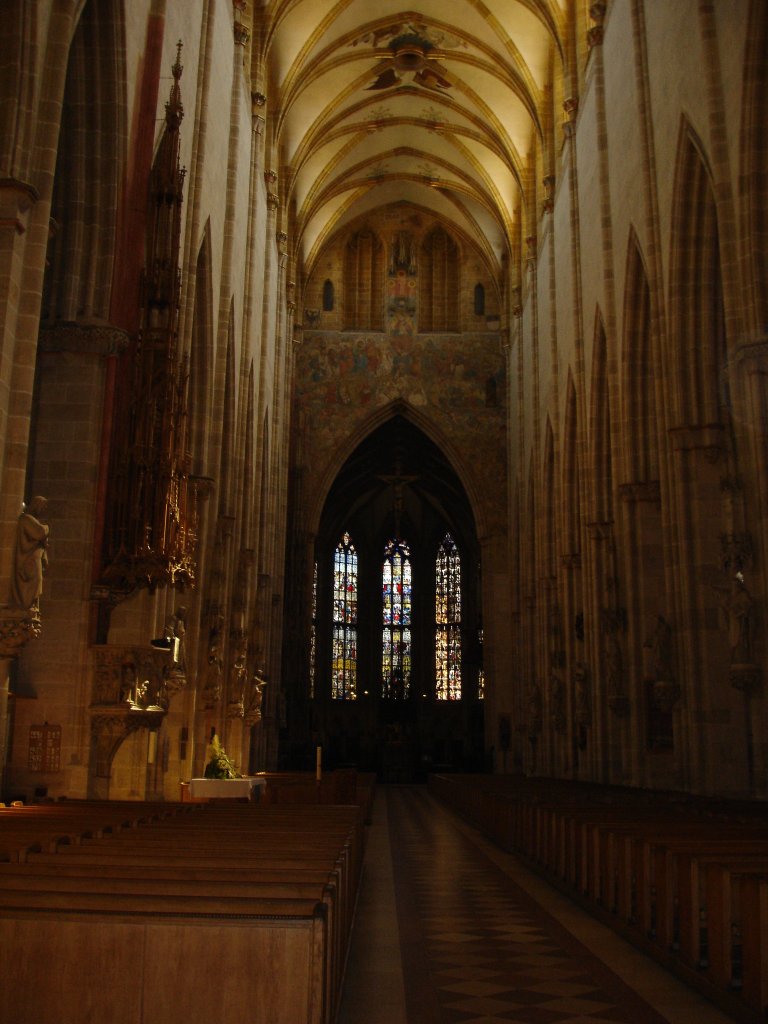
[398,480]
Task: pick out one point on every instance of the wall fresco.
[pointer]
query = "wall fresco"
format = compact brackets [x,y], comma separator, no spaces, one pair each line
[457,381]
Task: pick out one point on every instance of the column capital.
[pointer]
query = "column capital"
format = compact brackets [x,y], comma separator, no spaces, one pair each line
[17,627]
[16,200]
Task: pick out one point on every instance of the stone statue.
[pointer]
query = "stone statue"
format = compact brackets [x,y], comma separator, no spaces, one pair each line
[30,556]
[660,645]
[557,702]
[213,681]
[738,608]
[582,703]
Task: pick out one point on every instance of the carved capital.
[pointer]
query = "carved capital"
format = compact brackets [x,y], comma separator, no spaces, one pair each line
[549,193]
[242,33]
[282,237]
[17,627]
[270,177]
[570,110]
[258,99]
[16,200]
[273,200]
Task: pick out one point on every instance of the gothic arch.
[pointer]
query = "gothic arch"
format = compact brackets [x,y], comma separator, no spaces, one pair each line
[571,489]
[549,504]
[428,428]
[201,358]
[439,281]
[754,153]
[601,430]
[91,146]
[697,323]
[364,281]
[639,377]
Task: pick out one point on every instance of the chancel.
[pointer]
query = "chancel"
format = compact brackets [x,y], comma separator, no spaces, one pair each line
[384,394]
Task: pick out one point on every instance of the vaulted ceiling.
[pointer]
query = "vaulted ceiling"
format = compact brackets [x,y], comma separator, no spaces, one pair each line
[437,105]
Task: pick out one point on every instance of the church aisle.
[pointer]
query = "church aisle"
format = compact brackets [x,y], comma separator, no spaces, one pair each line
[451,929]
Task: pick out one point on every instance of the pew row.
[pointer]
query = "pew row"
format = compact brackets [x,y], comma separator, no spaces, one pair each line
[684,878]
[229,912]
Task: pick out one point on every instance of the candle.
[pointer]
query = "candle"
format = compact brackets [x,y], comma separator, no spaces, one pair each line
[319,764]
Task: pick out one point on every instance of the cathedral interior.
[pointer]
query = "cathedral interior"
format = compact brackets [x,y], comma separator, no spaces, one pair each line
[277,275]
[386,380]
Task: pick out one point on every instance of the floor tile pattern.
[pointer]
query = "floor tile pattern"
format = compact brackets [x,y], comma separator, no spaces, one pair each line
[476,948]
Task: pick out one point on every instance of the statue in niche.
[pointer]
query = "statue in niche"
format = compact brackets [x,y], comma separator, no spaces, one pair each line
[175,629]
[534,710]
[254,694]
[30,556]
[660,645]
[557,702]
[738,611]
[238,677]
[613,659]
[215,662]
[581,700]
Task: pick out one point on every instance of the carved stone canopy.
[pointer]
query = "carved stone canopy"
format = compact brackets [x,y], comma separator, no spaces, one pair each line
[17,627]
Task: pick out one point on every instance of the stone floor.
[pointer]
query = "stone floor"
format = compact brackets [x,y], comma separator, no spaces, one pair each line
[450,929]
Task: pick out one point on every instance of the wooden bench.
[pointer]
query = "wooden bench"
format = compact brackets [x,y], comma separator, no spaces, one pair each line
[238,913]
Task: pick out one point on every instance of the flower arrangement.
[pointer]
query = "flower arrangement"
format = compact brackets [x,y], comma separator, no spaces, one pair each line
[219,765]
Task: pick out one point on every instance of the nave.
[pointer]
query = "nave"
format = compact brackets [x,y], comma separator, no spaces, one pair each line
[449,928]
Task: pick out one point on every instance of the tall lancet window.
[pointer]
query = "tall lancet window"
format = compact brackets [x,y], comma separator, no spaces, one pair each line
[344,655]
[396,637]
[448,621]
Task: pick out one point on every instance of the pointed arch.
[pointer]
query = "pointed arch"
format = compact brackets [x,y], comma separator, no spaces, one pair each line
[396,619]
[549,503]
[448,620]
[201,357]
[571,489]
[601,432]
[439,282]
[90,158]
[696,315]
[639,371]
[377,419]
[364,282]
[754,149]
[226,467]
[344,642]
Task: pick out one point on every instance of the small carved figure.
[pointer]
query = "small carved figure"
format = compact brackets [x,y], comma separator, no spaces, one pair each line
[212,687]
[738,607]
[613,659]
[661,650]
[30,556]
[581,693]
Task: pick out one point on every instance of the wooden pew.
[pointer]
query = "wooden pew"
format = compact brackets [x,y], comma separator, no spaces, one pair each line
[639,860]
[266,894]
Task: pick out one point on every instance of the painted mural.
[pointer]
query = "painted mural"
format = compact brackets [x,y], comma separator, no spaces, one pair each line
[457,381]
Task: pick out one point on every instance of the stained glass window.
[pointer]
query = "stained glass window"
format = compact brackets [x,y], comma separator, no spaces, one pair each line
[396,636]
[344,654]
[313,635]
[448,621]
